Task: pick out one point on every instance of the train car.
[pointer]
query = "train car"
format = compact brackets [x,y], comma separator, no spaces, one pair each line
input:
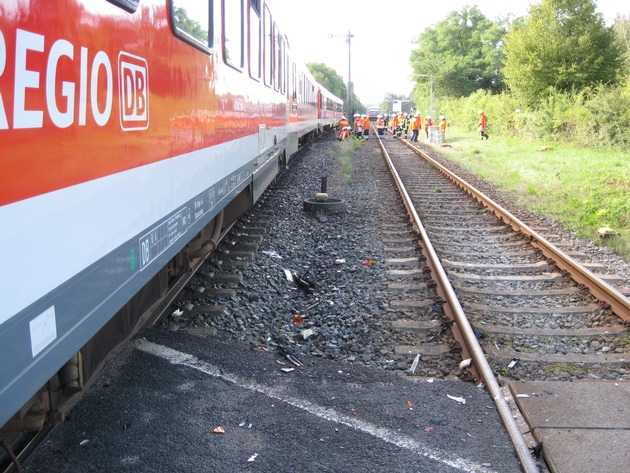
[373,113]
[133,133]
[330,108]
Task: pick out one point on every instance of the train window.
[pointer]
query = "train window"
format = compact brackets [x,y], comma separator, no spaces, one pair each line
[191,22]
[233,32]
[128,5]
[301,88]
[293,81]
[279,56]
[268,44]
[254,39]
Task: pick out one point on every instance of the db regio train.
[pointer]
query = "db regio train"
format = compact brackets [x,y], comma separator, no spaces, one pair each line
[132,134]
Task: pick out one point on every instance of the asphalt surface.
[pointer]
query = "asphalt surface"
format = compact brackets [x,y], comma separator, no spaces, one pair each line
[156,407]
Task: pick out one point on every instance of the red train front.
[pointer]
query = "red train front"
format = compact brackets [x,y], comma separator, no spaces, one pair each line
[132,133]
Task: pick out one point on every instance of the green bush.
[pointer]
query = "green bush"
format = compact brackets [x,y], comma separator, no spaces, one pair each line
[609,115]
[591,118]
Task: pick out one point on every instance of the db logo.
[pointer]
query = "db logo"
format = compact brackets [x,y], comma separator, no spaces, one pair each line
[133,84]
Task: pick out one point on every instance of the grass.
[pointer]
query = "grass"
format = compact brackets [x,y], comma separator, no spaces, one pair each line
[556,368]
[344,151]
[585,189]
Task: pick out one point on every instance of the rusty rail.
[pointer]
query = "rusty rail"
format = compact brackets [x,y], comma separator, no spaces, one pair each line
[463,331]
[599,288]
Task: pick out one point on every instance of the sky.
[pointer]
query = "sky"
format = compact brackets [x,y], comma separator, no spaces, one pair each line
[383,31]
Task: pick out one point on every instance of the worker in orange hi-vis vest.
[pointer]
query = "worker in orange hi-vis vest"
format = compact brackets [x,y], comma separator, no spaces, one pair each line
[442,124]
[416,124]
[393,123]
[483,124]
[366,126]
[343,132]
[380,125]
[428,122]
[358,125]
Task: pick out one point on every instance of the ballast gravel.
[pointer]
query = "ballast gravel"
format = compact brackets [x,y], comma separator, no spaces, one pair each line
[337,305]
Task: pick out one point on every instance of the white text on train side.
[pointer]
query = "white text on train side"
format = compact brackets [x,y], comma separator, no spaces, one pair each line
[88,98]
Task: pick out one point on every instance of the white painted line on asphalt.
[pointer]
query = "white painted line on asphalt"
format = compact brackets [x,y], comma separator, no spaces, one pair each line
[403,441]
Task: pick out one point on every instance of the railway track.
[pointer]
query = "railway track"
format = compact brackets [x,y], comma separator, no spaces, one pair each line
[533,320]
[524,306]
[515,300]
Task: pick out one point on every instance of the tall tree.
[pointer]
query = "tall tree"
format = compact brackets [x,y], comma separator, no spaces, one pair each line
[461,54]
[622,31]
[562,45]
[328,78]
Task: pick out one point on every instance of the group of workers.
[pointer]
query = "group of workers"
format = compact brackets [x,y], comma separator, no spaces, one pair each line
[360,128]
[399,125]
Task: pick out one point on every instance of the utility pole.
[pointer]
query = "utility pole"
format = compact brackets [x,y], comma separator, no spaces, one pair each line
[348,39]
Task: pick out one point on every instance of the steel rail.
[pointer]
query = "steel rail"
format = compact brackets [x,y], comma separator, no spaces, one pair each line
[461,321]
[599,288]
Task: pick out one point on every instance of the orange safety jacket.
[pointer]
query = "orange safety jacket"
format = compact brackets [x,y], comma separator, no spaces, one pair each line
[343,123]
[483,121]
[428,123]
[416,124]
[442,125]
[366,123]
[380,123]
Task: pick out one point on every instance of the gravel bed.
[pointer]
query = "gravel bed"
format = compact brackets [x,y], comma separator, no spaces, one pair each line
[346,315]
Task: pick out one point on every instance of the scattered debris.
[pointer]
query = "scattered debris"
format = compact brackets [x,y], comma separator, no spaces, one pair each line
[429,429]
[290,356]
[467,363]
[287,370]
[537,449]
[368,263]
[177,313]
[513,363]
[298,320]
[523,396]
[606,232]
[414,365]
[461,400]
[308,333]
[83,442]
[300,281]
[252,458]
[340,261]
[443,327]
[219,430]
[409,404]
[545,148]
[272,254]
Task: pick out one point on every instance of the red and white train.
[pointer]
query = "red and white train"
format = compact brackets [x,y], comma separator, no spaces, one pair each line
[132,132]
